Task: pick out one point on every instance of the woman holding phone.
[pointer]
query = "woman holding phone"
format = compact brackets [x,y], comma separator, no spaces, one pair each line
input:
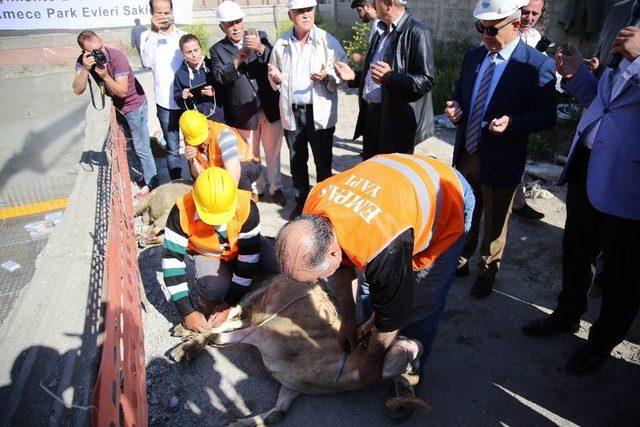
[194,87]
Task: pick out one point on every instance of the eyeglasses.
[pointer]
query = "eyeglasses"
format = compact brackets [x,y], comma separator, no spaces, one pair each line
[491,31]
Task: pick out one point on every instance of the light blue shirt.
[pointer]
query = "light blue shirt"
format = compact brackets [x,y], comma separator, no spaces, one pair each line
[301,70]
[502,59]
[372,90]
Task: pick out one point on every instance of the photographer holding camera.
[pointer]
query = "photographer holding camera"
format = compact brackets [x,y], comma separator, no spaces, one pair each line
[111,71]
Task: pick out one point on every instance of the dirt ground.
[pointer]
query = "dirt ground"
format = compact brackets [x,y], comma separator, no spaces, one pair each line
[483,370]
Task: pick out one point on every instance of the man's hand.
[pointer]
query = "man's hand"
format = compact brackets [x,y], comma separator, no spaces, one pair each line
[252,42]
[347,334]
[344,71]
[356,57]
[207,90]
[370,367]
[219,315]
[499,126]
[243,54]
[102,72]
[196,322]
[627,43]
[159,21]
[186,93]
[592,64]
[568,63]
[380,71]
[453,111]
[274,74]
[320,76]
[88,61]
[190,152]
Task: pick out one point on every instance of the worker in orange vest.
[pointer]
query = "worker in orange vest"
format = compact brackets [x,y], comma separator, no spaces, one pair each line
[210,143]
[400,220]
[218,227]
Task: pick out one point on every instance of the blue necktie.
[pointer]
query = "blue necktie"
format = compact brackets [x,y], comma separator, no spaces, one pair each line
[473,126]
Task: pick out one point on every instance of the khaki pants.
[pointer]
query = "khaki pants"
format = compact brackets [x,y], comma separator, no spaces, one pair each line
[495,203]
[269,135]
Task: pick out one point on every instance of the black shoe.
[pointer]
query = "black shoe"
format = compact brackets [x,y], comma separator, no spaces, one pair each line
[463,270]
[527,213]
[586,359]
[550,325]
[297,210]
[483,285]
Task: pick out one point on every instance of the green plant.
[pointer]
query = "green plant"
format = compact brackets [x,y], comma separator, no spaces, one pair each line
[283,28]
[448,57]
[358,43]
[201,31]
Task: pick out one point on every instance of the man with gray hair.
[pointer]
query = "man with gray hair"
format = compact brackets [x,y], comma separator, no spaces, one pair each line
[506,90]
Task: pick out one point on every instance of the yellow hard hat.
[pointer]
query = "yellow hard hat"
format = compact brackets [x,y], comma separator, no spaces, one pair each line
[215,195]
[195,127]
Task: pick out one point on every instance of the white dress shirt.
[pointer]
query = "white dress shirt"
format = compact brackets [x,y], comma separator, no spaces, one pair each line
[161,52]
[301,71]
[372,90]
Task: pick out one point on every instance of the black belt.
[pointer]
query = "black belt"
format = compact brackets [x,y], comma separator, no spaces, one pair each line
[301,107]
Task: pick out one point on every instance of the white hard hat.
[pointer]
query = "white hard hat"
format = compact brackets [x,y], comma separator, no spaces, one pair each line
[229,11]
[497,9]
[301,4]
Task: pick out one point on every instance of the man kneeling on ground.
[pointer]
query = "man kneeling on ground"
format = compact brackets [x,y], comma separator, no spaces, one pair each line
[218,227]
[210,143]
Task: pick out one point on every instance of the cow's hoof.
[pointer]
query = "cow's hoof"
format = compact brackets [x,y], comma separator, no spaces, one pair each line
[403,401]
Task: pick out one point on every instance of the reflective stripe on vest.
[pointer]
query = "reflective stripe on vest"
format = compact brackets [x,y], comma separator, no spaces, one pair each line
[214,156]
[374,202]
[203,238]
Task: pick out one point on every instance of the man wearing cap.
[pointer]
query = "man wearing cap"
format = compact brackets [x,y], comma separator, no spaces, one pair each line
[218,227]
[250,104]
[505,91]
[210,143]
[301,67]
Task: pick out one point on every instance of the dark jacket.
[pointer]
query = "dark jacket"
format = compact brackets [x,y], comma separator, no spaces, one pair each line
[210,107]
[247,88]
[406,108]
[525,93]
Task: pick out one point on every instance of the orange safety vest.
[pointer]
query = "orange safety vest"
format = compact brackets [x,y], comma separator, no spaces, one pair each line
[214,157]
[203,238]
[372,203]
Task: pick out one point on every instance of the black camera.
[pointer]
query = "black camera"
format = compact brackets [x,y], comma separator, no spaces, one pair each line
[99,56]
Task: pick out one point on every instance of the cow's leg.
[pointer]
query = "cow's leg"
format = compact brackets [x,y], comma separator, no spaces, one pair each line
[402,358]
[285,397]
[216,336]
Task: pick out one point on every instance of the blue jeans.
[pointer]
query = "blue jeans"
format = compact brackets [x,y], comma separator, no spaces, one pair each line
[134,126]
[431,287]
[169,122]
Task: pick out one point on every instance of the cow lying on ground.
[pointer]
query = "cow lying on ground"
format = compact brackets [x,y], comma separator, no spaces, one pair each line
[155,208]
[295,327]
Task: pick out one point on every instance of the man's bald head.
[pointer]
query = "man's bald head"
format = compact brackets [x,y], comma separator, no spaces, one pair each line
[306,248]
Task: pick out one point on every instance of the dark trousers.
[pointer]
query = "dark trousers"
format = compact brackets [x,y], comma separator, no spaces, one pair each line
[588,232]
[372,144]
[321,141]
[249,173]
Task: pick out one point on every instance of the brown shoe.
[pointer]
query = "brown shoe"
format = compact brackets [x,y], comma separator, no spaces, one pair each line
[279,198]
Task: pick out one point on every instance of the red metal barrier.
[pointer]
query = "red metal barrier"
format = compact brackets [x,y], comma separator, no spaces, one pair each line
[120,392]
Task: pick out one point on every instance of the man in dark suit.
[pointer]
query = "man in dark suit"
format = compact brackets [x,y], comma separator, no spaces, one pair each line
[603,199]
[396,111]
[505,92]
[251,105]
